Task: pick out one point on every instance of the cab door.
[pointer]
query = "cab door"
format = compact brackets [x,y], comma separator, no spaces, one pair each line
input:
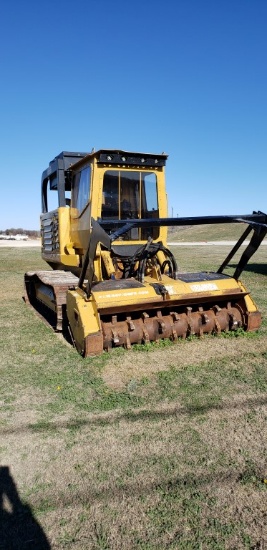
[80,211]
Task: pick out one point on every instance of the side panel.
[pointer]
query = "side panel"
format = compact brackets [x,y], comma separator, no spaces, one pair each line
[57,248]
[85,323]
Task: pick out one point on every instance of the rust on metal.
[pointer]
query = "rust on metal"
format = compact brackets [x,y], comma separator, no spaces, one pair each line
[254,321]
[93,344]
[148,328]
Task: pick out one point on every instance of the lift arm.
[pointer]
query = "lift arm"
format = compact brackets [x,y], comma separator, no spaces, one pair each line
[107,231]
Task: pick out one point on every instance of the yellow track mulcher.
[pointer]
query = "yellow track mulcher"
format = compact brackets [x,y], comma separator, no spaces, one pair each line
[113,281]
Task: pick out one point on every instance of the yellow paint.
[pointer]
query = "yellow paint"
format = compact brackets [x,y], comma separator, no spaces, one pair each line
[83,317]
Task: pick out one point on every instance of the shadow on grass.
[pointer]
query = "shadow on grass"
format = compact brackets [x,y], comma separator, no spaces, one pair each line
[169,488]
[260,268]
[19,529]
[114,417]
[49,318]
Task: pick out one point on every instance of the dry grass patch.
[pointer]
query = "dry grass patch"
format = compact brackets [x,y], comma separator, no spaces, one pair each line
[122,370]
[151,479]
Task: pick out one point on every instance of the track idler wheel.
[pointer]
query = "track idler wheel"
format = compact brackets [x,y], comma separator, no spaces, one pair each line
[153,328]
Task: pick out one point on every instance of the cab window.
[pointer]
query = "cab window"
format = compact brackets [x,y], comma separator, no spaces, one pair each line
[131,194]
[81,189]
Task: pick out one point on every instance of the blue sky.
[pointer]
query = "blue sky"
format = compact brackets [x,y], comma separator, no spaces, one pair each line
[187,77]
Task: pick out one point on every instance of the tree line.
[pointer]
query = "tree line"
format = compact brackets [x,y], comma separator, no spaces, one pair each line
[33,233]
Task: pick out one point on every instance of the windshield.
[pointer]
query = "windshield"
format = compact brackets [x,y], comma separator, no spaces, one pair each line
[131,195]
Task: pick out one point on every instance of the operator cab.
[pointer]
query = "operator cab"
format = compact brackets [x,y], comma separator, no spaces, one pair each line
[131,189]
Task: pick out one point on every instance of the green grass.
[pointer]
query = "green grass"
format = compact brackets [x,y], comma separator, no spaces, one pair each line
[163,446]
[206,232]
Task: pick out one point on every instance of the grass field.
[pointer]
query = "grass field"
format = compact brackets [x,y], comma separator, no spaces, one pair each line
[216,232]
[163,446]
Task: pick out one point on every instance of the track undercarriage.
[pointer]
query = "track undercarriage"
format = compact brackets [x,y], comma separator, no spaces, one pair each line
[46,292]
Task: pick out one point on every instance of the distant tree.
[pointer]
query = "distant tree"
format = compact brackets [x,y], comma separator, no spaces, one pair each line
[34,233]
